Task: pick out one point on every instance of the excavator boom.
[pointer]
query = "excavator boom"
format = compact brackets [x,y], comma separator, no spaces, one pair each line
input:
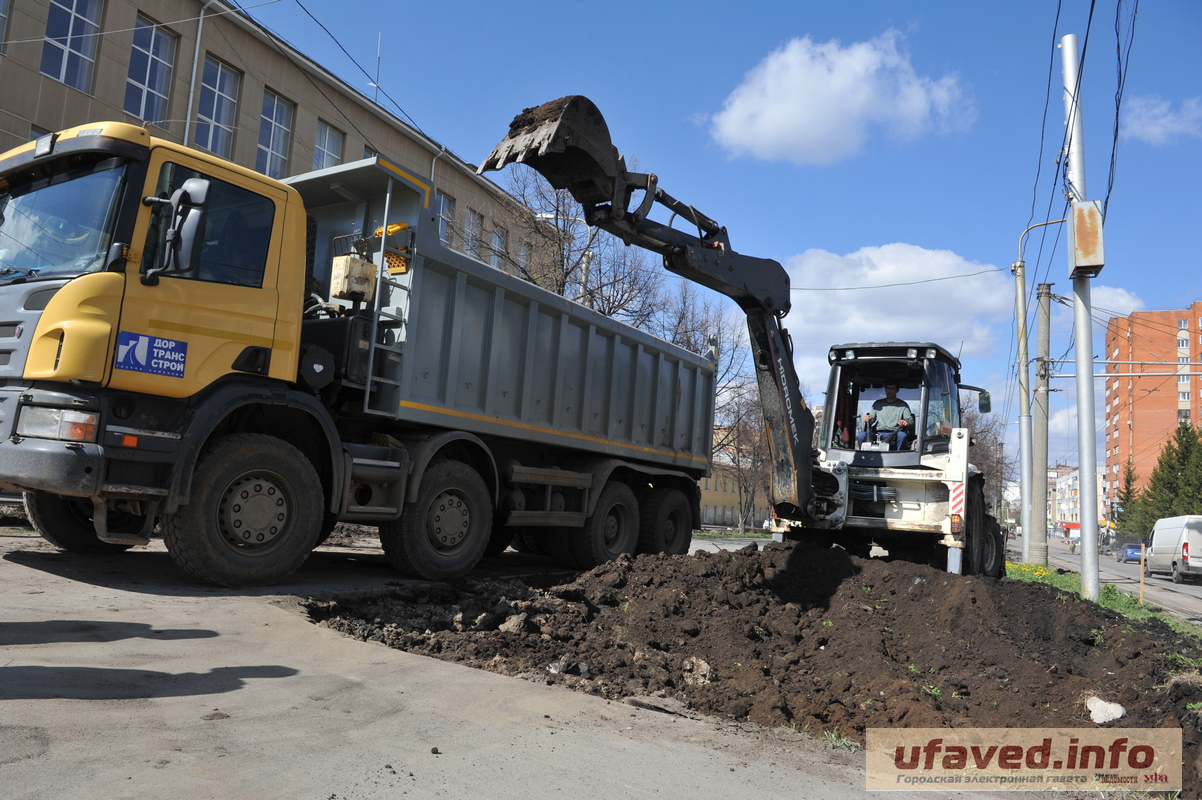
[567,141]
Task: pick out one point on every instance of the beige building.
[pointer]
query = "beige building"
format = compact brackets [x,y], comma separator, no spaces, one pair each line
[721,501]
[204,73]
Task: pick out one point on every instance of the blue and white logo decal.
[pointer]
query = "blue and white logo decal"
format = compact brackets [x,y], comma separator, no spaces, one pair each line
[140,353]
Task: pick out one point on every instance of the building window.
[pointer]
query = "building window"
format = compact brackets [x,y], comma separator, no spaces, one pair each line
[473,232]
[149,82]
[524,256]
[1183,342]
[1183,396]
[69,51]
[1182,379]
[218,104]
[446,213]
[500,247]
[37,133]
[370,152]
[1182,359]
[1183,323]
[327,148]
[275,136]
[1183,416]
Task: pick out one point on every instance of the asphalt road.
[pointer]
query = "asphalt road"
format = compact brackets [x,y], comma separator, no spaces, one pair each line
[1183,599]
[120,679]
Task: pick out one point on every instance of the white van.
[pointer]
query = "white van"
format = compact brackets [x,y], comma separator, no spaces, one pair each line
[1174,540]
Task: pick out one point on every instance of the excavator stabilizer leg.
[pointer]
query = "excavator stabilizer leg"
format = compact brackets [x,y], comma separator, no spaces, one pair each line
[567,142]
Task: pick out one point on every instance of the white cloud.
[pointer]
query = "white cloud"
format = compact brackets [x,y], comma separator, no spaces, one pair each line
[969,316]
[1154,121]
[817,102]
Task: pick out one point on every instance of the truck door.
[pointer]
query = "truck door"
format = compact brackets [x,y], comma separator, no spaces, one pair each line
[191,328]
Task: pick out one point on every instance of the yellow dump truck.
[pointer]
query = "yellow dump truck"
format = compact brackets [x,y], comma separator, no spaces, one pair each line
[192,347]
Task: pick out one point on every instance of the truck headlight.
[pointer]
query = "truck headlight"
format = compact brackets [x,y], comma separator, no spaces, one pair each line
[58,423]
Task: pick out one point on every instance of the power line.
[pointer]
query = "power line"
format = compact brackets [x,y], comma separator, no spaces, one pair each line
[891,285]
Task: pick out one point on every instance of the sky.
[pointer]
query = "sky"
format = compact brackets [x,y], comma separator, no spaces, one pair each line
[869,147]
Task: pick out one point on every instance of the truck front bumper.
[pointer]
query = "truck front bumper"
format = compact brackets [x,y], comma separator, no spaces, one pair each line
[49,465]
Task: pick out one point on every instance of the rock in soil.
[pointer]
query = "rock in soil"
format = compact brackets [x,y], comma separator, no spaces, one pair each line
[813,640]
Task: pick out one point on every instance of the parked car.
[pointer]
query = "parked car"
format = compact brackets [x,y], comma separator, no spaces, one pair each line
[1128,552]
[1169,552]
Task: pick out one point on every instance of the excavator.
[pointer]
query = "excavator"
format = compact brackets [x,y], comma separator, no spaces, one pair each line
[919,499]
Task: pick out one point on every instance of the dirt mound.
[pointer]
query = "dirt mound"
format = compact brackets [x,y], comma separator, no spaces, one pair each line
[814,640]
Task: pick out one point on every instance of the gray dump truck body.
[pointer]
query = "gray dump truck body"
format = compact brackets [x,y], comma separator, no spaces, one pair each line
[470,347]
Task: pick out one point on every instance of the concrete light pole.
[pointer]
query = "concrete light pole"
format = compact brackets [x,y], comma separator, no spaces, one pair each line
[1025,438]
[1086,259]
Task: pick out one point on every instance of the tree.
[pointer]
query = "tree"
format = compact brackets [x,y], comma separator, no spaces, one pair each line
[557,250]
[1124,502]
[1174,487]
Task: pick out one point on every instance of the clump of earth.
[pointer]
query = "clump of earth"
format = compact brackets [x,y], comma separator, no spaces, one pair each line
[813,640]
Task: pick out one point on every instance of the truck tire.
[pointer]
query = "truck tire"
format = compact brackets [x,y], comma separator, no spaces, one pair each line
[666,523]
[1177,576]
[977,543]
[66,522]
[255,514]
[611,530]
[1147,568]
[444,532]
[993,563]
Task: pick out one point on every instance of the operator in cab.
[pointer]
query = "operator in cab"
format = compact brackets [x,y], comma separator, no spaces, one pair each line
[891,418]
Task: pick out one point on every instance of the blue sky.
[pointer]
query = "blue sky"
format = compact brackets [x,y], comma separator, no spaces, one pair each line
[858,143]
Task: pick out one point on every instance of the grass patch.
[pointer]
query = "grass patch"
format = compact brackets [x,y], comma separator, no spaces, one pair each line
[1108,596]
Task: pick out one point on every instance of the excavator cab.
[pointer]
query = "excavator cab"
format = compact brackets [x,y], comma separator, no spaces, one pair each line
[923,376]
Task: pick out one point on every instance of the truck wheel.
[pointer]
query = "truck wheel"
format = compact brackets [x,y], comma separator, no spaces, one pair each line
[993,562]
[666,523]
[1177,576]
[66,522]
[443,534]
[977,536]
[255,515]
[611,530]
[1147,568]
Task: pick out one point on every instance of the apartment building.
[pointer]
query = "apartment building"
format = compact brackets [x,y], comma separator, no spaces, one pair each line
[1141,412]
[1065,500]
[206,74]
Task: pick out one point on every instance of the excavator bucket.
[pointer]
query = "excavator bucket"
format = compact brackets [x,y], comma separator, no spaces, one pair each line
[567,142]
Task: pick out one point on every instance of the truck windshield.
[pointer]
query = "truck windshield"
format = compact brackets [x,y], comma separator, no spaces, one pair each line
[59,224]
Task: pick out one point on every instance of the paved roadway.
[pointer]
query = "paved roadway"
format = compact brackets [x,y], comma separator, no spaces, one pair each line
[1183,600]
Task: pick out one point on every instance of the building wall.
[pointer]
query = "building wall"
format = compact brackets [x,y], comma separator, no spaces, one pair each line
[32,103]
[1141,413]
[720,500]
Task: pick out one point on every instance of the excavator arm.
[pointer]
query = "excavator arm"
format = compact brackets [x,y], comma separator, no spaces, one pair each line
[567,141]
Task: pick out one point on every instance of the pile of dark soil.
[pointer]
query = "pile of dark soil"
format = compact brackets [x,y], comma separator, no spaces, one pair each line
[818,641]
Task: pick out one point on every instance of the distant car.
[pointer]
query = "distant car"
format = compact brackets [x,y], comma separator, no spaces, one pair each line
[1128,552]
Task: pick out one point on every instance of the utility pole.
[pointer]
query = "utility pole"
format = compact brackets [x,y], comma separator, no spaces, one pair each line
[1039,467]
[1024,397]
[1026,474]
[1085,257]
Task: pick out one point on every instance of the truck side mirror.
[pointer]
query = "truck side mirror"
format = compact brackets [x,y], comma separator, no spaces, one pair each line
[185,237]
[984,404]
